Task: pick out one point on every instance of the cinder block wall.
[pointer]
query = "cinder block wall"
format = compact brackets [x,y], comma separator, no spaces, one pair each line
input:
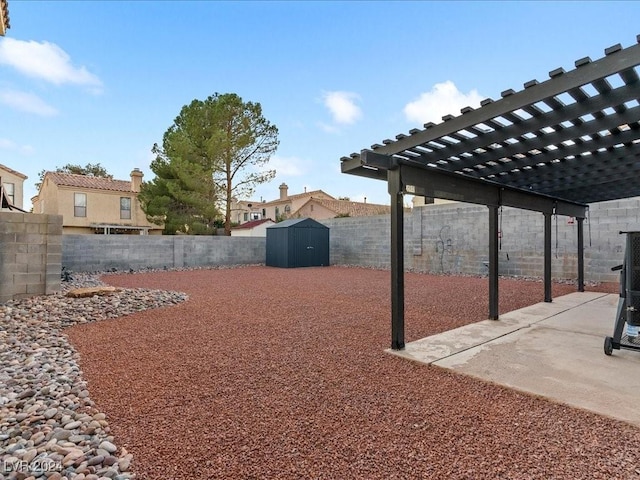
[454,238]
[94,253]
[448,238]
[30,254]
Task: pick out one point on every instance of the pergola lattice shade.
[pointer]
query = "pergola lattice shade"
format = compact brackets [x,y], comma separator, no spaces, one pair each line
[552,147]
[574,137]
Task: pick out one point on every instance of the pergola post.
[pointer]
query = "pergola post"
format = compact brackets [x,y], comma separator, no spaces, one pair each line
[547,257]
[397,259]
[580,254]
[493,262]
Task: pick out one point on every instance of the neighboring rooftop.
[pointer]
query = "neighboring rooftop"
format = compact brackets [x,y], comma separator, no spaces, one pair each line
[290,198]
[11,170]
[252,224]
[351,209]
[85,181]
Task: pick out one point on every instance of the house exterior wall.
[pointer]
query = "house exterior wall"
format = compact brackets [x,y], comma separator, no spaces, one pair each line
[18,183]
[47,200]
[276,209]
[315,210]
[103,207]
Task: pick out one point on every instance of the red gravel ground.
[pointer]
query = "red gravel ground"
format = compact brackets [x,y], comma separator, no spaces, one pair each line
[280,373]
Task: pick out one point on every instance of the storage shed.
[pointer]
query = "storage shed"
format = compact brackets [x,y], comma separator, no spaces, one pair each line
[300,242]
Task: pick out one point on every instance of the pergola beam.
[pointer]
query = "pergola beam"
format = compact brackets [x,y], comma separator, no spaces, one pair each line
[435,183]
[577,164]
[536,124]
[557,138]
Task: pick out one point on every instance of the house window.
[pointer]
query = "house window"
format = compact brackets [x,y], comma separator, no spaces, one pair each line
[264,212]
[246,216]
[255,216]
[311,207]
[287,209]
[79,204]
[10,191]
[125,208]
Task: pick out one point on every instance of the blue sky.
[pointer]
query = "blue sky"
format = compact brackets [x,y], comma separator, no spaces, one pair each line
[100,82]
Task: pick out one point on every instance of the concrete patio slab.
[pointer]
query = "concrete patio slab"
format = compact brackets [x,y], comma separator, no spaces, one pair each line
[550,349]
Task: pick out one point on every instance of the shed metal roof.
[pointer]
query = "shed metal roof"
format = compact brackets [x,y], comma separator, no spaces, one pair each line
[574,137]
[298,223]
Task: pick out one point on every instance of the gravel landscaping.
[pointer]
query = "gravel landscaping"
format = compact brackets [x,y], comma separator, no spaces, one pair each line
[280,373]
[49,425]
[277,373]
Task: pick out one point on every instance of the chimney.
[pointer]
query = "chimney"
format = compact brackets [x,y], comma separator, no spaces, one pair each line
[136,180]
[284,191]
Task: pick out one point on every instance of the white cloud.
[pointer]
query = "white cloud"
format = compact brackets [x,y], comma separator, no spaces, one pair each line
[342,106]
[27,102]
[11,146]
[288,166]
[46,61]
[443,99]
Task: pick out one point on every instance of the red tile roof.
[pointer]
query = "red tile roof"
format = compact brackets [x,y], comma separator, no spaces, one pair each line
[352,209]
[85,181]
[256,203]
[10,170]
[305,194]
[251,224]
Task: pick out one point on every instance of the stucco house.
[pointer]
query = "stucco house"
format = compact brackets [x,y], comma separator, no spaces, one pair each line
[255,228]
[323,208]
[316,204]
[11,184]
[247,210]
[94,204]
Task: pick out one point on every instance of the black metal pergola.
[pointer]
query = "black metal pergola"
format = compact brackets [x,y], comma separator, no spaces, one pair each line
[553,147]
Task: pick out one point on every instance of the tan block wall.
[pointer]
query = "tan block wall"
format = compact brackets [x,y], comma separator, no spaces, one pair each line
[30,255]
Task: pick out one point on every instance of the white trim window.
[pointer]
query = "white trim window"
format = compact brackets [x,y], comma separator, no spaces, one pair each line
[79,204]
[10,192]
[125,208]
